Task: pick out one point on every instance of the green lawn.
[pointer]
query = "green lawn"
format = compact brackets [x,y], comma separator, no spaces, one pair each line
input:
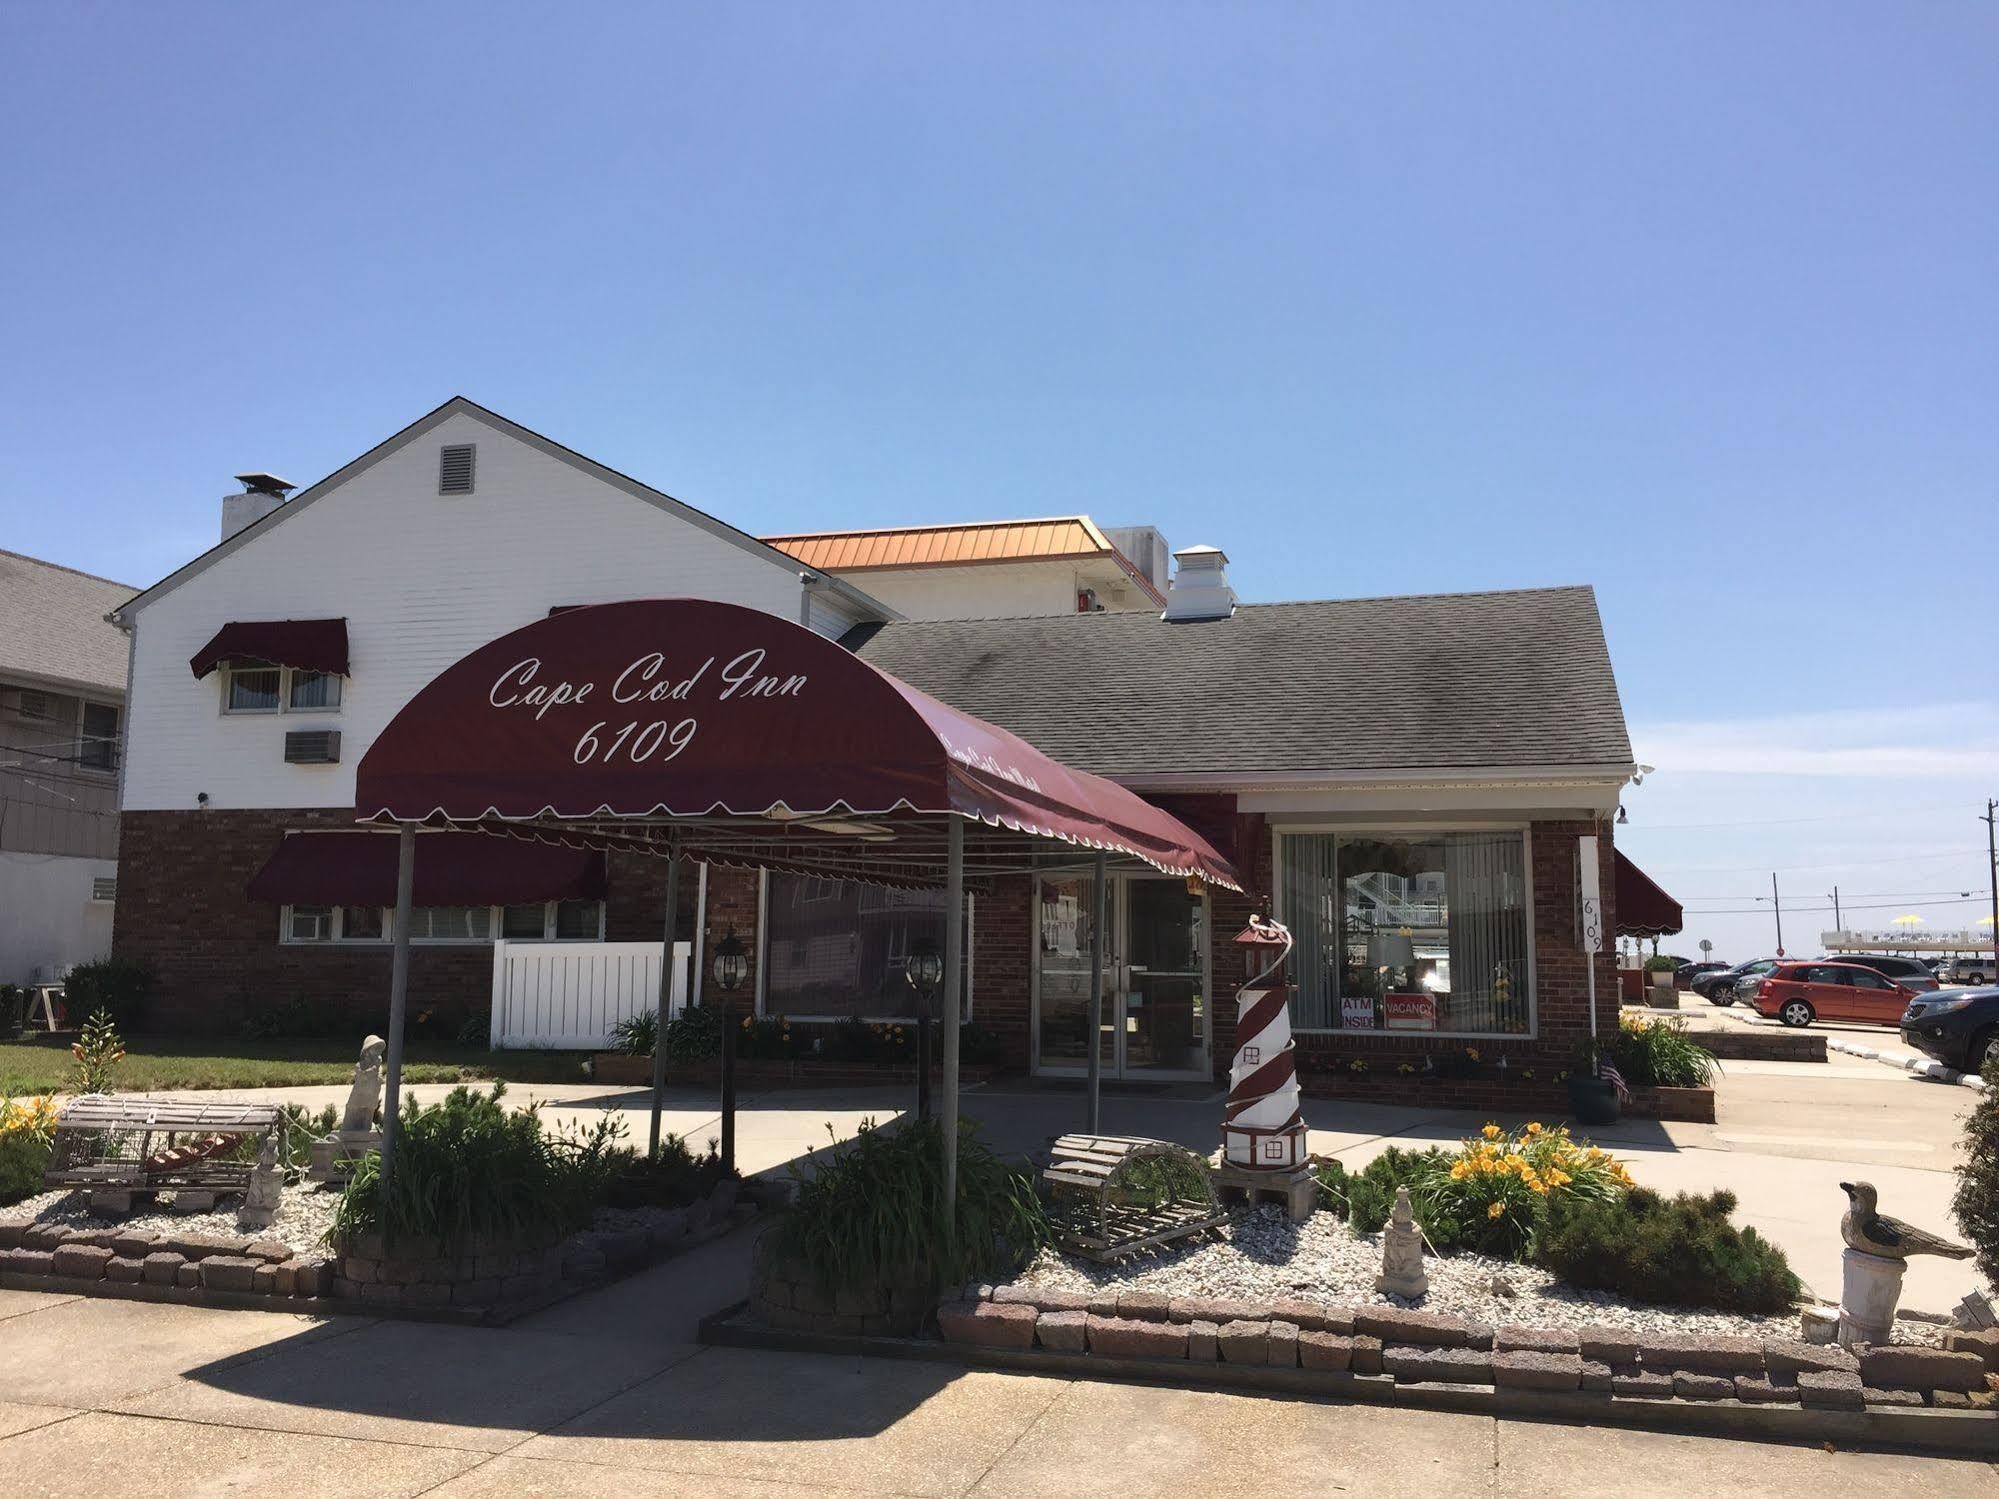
[161,1063]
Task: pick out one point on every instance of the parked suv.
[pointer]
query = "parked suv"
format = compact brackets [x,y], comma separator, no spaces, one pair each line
[1910,973]
[1799,993]
[1719,987]
[1686,973]
[1971,970]
[1959,1027]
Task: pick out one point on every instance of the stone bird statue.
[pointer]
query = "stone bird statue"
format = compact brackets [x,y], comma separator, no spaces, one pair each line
[1870,1232]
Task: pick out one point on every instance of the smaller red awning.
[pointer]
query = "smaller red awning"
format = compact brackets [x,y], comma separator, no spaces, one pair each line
[1643,909]
[306,644]
[452,869]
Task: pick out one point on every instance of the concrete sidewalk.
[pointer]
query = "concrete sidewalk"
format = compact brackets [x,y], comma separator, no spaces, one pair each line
[606,1395]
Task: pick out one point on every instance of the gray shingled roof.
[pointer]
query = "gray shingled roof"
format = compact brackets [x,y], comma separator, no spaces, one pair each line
[52,624]
[1501,680]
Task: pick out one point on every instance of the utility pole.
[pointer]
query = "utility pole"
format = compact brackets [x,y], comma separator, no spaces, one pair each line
[1778,905]
[1837,924]
[1992,867]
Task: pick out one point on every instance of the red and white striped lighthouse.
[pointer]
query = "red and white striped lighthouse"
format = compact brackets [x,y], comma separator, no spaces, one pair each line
[1263,1129]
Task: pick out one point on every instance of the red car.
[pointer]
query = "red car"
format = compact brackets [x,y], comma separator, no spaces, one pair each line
[1799,993]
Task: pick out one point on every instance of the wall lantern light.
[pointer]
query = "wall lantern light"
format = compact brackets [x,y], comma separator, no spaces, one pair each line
[732,964]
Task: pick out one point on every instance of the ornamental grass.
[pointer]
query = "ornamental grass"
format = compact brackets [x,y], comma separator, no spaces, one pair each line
[872,1214]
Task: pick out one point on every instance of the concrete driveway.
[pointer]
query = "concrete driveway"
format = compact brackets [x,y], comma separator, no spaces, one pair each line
[607,1394]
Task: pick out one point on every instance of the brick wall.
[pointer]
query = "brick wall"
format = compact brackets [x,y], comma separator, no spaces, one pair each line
[182,910]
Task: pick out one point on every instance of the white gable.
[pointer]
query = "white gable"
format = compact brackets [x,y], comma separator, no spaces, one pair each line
[421,579]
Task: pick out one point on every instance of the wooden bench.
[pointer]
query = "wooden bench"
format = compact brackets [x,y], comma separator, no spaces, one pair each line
[1115,1195]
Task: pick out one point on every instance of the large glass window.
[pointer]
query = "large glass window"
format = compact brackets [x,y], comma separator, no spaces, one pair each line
[254,689]
[838,948]
[1420,933]
[451,923]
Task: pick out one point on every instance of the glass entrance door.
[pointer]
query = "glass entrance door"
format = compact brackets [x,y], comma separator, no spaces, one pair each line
[1164,1019]
[1156,1014]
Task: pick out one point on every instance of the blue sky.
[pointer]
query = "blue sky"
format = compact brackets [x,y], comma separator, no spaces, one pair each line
[1699,304]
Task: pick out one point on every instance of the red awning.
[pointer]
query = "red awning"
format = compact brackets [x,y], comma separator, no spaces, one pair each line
[691,709]
[452,869]
[1643,909]
[307,644]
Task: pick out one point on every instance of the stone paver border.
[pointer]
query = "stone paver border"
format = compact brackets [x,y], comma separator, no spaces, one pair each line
[1947,1428]
[1783,1389]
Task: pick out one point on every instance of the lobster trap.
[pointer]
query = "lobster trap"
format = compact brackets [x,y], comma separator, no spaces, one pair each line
[1113,1195]
[124,1144]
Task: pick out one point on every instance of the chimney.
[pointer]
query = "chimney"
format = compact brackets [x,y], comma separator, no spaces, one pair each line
[262,493]
[1200,588]
[1144,546]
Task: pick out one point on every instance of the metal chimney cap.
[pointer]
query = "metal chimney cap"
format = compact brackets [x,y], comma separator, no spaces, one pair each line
[259,483]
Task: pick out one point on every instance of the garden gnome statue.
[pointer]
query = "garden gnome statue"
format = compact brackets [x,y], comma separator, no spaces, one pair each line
[1877,1253]
[333,1157]
[260,1202]
[1402,1252]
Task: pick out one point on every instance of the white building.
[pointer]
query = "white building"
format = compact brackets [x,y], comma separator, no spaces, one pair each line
[62,690]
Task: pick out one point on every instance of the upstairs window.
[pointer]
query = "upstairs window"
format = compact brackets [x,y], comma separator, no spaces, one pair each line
[252,688]
[98,749]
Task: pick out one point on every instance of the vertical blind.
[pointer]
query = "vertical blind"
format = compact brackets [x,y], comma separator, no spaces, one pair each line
[1369,919]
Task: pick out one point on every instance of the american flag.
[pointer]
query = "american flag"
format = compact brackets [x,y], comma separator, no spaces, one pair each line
[1611,1075]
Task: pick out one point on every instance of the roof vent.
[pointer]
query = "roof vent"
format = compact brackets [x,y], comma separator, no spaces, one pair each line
[262,493]
[454,468]
[1200,588]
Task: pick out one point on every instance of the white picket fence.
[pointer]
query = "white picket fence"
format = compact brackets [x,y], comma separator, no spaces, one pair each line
[566,996]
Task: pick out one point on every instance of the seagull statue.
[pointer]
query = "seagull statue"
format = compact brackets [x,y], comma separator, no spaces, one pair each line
[1870,1232]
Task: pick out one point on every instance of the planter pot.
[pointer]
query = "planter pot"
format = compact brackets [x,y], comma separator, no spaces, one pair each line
[618,1067]
[1593,1100]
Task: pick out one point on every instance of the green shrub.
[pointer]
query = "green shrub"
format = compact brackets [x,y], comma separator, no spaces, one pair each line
[470,1165]
[27,1129]
[694,1035]
[1975,1205]
[297,1128]
[1682,1252]
[298,1016]
[979,1047]
[636,1035]
[674,1177]
[873,1213]
[1660,1054]
[120,988]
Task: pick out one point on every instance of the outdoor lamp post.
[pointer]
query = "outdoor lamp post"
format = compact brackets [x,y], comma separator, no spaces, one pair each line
[732,966]
[925,971]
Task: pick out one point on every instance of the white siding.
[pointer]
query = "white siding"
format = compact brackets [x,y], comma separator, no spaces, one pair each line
[994,590]
[48,922]
[421,580]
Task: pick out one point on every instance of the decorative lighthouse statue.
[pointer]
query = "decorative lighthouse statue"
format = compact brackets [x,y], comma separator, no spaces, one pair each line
[1263,1134]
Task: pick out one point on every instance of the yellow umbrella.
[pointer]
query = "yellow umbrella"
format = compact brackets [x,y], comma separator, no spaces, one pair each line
[1910,920]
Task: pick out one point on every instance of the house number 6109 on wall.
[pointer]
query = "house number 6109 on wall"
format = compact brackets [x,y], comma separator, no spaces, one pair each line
[654,740]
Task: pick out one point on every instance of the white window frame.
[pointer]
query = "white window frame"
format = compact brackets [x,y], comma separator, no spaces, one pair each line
[495,916]
[284,706]
[1279,831]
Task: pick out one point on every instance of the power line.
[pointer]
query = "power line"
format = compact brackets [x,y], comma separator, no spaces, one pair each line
[1843,905]
[1937,855]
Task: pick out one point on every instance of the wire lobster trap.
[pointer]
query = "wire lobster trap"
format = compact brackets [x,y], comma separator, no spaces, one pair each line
[154,1144]
[1113,1195]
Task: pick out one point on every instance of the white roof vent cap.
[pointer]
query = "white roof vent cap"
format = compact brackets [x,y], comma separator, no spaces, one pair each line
[1200,587]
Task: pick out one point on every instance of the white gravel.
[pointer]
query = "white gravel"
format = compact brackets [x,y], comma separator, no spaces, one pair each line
[1261,1255]
[305,1213]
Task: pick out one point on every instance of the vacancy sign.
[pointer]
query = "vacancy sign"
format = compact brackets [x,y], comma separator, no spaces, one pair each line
[1589,896]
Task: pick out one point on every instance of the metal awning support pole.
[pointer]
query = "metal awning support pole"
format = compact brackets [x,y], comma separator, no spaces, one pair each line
[1102,904]
[953,989]
[399,999]
[665,1006]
